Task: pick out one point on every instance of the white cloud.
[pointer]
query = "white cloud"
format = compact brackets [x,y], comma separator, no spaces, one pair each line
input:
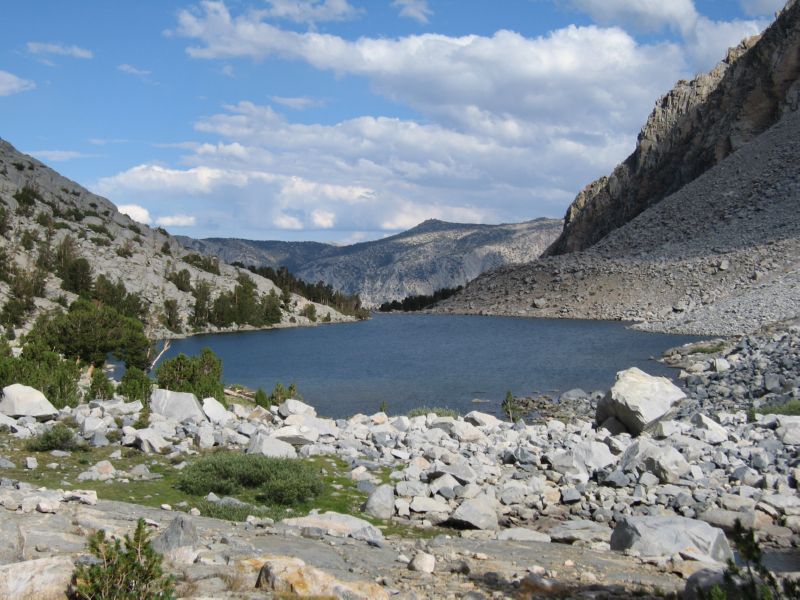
[228,71]
[324,219]
[42,48]
[296,103]
[284,221]
[176,221]
[414,9]
[138,213]
[59,155]
[706,41]
[646,15]
[761,8]
[131,70]
[11,84]
[311,11]
[709,40]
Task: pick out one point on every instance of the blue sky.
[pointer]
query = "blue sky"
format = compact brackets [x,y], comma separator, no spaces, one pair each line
[344,120]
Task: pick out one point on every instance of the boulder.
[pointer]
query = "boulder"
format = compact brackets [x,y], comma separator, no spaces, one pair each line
[422,562]
[380,503]
[43,578]
[459,430]
[178,406]
[297,435]
[180,533]
[477,513]
[333,524]
[670,536]
[216,412]
[638,400]
[708,429]
[24,401]
[263,443]
[150,441]
[480,419]
[664,462]
[288,575]
[295,407]
[580,463]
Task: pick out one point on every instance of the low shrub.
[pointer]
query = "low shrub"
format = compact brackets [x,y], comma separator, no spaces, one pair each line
[128,571]
[439,411]
[59,437]
[790,408]
[281,481]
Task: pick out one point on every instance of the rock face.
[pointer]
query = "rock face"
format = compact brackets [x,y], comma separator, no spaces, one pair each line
[718,256]
[24,401]
[428,257]
[178,406]
[692,128]
[667,536]
[145,259]
[43,578]
[638,400]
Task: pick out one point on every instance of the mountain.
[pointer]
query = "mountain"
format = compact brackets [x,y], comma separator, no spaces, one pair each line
[692,128]
[721,254]
[52,228]
[431,256]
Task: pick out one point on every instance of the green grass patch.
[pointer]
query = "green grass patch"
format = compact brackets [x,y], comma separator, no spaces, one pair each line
[789,408]
[439,411]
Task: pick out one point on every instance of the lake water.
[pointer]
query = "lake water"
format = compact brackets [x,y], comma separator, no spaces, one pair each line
[411,360]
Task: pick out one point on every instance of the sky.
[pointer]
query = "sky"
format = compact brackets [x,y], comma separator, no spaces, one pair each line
[347,120]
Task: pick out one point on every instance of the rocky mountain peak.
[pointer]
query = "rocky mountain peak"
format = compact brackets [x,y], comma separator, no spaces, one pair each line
[693,127]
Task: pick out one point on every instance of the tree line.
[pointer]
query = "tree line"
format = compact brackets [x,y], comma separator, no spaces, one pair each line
[419,302]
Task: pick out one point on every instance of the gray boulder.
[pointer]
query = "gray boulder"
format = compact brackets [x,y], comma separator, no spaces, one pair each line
[178,406]
[333,524]
[670,536]
[181,532]
[580,530]
[478,513]
[24,401]
[638,400]
[216,412]
[295,407]
[664,462]
[263,443]
[150,441]
[380,503]
[580,463]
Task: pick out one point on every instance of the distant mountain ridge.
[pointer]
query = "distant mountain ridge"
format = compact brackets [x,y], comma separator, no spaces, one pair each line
[433,255]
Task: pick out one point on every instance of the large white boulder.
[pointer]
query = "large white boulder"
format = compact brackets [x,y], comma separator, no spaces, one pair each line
[178,406]
[216,411]
[668,536]
[478,513]
[638,400]
[266,445]
[24,401]
[295,407]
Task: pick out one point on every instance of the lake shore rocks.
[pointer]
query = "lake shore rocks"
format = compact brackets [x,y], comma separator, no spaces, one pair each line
[665,493]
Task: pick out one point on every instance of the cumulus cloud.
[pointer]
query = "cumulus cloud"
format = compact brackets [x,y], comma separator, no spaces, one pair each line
[11,84]
[414,9]
[138,213]
[645,15]
[511,126]
[176,221]
[761,8]
[311,11]
[43,48]
[705,40]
